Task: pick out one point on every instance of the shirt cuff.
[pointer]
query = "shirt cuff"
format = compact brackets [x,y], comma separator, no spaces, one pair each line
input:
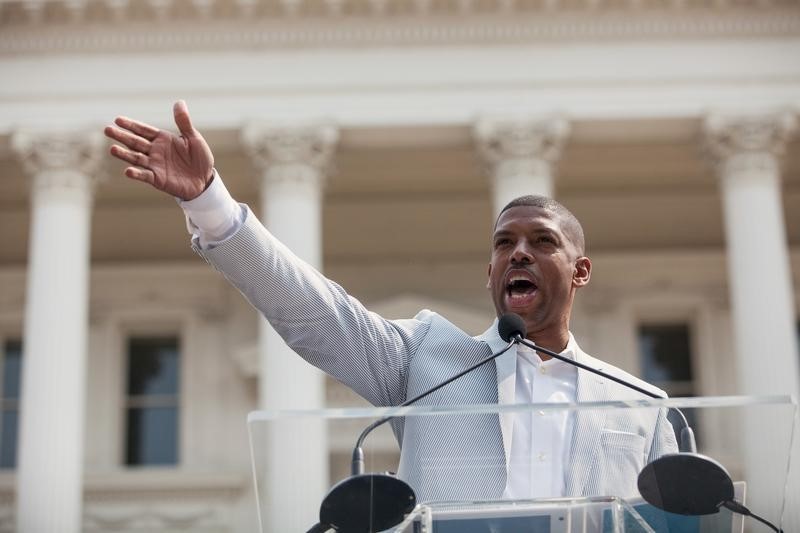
[214,216]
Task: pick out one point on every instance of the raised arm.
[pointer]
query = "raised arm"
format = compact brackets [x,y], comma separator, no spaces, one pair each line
[315,316]
[179,165]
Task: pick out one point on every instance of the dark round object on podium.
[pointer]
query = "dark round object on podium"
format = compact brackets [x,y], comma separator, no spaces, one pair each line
[367,503]
[686,484]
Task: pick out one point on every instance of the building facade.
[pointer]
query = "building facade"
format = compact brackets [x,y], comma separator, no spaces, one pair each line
[377,138]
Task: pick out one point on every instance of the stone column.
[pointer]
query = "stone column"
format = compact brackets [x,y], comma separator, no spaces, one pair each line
[50,469]
[520,155]
[747,150]
[293,162]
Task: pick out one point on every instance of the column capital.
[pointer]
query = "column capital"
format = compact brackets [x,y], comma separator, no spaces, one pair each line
[738,143]
[519,155]
[60,161]
[285,152]
[500,140]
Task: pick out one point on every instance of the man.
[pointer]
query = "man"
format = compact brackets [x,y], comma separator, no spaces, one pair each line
[537,265]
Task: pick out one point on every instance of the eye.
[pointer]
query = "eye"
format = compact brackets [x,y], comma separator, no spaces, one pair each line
[546,239]
[501,241]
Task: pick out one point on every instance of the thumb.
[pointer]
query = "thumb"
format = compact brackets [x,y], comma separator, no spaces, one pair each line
[182,120]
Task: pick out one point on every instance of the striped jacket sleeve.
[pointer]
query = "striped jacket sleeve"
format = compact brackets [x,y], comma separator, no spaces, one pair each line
[316,317]
[664,439]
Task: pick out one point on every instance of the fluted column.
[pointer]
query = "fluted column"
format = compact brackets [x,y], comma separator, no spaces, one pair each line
[747,153]
[747,150]
[520,155]
[50,469]
[293,162]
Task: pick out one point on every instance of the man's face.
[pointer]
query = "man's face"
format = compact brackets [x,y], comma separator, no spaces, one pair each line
[535,269]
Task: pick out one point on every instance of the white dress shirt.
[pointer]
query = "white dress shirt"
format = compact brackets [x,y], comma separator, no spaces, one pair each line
[213,216]
[540,440]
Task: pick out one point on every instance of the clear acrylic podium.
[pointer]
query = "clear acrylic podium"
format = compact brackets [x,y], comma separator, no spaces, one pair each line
[607,514]
[557,515]
[297,456]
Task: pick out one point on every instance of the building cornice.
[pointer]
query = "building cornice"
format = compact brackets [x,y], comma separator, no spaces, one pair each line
[64,26]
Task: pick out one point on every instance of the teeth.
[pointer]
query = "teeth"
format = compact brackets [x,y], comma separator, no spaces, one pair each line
[517,290]
[512,281]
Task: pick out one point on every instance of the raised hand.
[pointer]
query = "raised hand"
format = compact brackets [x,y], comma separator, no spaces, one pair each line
[180,165]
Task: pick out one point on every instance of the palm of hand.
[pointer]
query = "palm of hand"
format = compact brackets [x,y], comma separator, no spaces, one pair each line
[181,165]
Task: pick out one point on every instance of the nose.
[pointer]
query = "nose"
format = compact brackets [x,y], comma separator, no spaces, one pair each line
[522,253]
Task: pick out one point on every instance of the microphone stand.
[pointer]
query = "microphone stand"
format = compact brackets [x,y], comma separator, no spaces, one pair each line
[704,484]
[375,502]
[358,453]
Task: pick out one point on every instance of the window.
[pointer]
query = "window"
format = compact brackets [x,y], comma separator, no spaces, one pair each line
[666,361]
[666,357]
[9,402]
[152,406]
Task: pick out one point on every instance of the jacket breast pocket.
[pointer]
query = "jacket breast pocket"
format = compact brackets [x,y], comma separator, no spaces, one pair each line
[621,458]
[623,440]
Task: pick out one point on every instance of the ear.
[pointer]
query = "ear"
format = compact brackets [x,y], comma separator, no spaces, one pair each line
[582,271]
[489,277]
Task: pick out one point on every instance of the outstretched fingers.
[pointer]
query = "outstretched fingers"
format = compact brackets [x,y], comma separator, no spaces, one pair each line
[129,156]
[141,174]
[139,128]
[134,142]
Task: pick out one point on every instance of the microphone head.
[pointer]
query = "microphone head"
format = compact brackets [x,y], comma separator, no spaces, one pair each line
[685,483]
[510,325]
[366,503]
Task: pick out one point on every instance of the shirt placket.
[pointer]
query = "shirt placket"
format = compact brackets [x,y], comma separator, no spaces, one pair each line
[532,418]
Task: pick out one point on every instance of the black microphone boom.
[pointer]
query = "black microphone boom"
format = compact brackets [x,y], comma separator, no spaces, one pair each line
[517,332]
[363,503]
[509,324]
[686,483]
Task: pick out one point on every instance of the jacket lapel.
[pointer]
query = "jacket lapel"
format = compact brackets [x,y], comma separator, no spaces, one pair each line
[506,367]
[584,448]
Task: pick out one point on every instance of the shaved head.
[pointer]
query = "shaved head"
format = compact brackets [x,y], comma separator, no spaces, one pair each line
[571,226]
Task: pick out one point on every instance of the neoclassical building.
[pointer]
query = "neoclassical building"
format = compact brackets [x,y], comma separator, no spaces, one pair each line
[376,138]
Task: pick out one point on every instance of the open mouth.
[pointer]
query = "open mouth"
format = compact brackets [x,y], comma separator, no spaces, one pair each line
[520,289]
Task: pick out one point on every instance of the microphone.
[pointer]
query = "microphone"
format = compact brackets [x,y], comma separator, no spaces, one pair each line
[687,482]
[375,502]
[512,328]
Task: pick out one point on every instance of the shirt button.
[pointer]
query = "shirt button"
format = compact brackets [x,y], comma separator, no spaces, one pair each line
[543,370]
[542,456]
[540,413]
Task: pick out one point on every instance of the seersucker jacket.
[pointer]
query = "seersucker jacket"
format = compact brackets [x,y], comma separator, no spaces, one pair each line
[462,457]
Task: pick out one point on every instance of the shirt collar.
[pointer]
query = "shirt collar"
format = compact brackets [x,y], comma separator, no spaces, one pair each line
[570,352]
